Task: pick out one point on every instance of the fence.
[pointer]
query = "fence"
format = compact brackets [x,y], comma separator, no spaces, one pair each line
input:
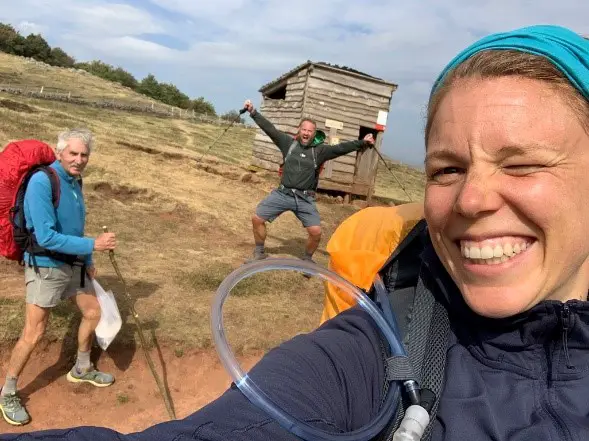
[153,108]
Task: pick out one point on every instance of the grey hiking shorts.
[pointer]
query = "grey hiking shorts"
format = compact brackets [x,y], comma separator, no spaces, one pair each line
[277,202]
[51,285]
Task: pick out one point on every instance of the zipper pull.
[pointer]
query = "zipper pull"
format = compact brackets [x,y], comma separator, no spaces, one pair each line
[565,316]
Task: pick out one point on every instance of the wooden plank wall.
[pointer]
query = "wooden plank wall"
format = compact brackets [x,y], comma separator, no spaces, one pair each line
[285,115]
[325,94]
[355,102]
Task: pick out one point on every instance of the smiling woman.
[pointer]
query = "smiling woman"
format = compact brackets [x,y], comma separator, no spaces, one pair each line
[506,158]
[498,270]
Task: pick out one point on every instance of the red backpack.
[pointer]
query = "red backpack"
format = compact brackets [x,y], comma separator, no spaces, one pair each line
[18,162]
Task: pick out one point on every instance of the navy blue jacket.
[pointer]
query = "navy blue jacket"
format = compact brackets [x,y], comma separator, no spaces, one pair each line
[525,378]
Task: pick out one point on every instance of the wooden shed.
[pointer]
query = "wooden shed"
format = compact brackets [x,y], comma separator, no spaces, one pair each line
[345,103]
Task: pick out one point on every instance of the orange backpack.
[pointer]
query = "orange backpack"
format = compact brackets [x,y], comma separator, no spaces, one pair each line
[361,245]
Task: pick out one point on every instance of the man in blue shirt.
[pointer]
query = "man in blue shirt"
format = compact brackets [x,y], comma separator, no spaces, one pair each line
[48,278]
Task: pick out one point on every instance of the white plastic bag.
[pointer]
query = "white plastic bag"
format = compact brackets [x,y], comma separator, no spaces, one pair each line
[110,321]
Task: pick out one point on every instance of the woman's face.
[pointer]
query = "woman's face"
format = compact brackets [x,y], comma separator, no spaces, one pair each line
[507,196]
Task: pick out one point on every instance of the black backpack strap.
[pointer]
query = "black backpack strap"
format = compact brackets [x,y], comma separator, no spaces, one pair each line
[290,149]
[429,331]
[17,211]
[434,363]
[419,327]
[55,186]
[422,321]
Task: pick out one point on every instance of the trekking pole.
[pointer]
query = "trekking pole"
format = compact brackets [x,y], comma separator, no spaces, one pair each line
[394,175]
[160,385]
[241,112]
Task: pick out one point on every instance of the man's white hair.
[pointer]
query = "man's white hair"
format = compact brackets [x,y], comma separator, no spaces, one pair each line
[84,135]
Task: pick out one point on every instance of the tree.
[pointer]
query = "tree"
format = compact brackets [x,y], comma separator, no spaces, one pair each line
[200,105]
[171,95]
[125,78]
[36,47]
[109,72]
[232,115]
[58,57]
[11,42]
[151,87]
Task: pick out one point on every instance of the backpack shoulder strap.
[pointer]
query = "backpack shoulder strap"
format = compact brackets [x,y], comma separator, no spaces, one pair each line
[423,321]
[55,186]
[53,181]
[429,353]
[389,241]
[23,237]
[291,148]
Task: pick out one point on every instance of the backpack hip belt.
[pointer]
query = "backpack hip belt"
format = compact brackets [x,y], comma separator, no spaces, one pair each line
[294,191]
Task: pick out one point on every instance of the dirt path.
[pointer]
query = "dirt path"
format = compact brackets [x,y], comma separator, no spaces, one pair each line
[132,403]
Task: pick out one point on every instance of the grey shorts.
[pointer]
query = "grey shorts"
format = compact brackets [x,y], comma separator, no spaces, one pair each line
[276,203]
[52,285]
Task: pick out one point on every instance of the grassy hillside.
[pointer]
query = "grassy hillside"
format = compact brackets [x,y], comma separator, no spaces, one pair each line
[404,184]
[19,71]
[183,223]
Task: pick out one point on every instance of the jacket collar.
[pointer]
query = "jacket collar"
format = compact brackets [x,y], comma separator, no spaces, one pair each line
[521,340]
[61,171]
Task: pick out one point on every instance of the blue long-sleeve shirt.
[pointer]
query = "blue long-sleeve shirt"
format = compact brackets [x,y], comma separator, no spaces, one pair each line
[60,229]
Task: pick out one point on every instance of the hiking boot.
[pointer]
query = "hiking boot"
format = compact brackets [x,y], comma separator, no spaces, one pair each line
[13,411]
[91,375]
[257,256]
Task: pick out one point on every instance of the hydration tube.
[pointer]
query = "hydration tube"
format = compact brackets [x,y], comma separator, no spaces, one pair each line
[259,398]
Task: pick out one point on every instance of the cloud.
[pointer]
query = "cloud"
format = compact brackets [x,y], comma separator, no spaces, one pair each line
[207,10]
[93,17]
[226,49]
[131,49]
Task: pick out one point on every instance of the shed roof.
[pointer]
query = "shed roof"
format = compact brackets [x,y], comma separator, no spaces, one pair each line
[342,69]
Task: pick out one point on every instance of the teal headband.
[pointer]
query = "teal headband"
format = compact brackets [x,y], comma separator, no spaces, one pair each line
[568,51]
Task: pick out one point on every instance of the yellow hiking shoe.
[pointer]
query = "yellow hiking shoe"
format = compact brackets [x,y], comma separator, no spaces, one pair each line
[13,411]
[91,375]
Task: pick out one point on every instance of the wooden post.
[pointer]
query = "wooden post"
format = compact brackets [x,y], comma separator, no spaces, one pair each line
[374,168]
[41,91]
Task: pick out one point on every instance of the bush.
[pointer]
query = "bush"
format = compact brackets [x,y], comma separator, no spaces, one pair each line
[232,115]
[36,47]
[110,73]
[11,42]
[59,58]
[200,105]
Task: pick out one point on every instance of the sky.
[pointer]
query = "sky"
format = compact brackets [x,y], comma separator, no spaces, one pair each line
[225,50]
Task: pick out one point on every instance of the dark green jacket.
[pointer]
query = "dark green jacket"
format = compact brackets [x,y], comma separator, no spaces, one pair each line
[301,168]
